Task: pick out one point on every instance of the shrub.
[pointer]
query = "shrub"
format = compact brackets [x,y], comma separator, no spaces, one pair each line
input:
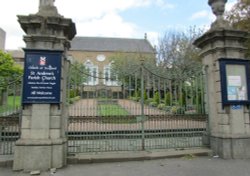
[161,106]
[182,99]
[168,108]
[156,97]
[135,98]
[181,110]
[168,99]
[73,100]
[73,93]
[145,95]
[153,104]
[178,110]
[148,101]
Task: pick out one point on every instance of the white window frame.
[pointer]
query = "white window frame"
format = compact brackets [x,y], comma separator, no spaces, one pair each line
[92,79]
[107,71]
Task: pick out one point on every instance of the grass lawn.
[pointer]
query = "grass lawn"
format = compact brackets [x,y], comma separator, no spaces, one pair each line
[111,110]
[113,113]
[13,103]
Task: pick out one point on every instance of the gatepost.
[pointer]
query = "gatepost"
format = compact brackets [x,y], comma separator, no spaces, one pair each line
[43,144]
[228,84]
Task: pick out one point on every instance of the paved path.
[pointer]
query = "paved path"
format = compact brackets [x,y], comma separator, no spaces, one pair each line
[84,107]
[186,166]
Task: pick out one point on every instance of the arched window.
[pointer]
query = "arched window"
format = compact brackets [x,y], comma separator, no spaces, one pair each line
[93,73]
[110,79]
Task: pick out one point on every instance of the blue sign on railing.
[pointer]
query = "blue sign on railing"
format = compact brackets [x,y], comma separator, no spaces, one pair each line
[42,76]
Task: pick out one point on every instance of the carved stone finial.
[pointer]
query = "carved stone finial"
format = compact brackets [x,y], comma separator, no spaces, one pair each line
[47,8]
[46,3]
[218,8]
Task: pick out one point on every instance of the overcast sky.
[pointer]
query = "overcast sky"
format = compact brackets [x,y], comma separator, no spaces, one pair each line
[113,18]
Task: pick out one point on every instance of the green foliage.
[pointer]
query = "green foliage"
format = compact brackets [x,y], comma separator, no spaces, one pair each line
[177,110]
[12,104]
[74,93]
[127,63]
[153,104]
[145,95]
[161,106]
[111,110]
[148,101]
[77,74]
[9,71]
[134,98]
[168,108]
[177,54]
[156,97]
[182,99]
[198,102]
[74,99]
[168,99]
[137,95]
[239,15]
[239,18]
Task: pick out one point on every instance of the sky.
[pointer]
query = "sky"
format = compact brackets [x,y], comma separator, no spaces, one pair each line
[114,18]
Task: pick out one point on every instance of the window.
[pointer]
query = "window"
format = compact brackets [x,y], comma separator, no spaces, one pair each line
[93,73]
[110,78]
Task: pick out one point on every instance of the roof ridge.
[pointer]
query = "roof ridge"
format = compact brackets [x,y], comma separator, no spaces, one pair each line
[109,38]
[111,44]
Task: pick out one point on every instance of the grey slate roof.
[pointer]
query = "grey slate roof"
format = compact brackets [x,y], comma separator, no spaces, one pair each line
[111,44]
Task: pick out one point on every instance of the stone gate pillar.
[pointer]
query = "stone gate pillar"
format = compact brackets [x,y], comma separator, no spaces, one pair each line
[43,144]
[229,124]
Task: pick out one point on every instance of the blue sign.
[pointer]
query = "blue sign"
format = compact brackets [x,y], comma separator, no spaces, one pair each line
[236,107]
[42,77]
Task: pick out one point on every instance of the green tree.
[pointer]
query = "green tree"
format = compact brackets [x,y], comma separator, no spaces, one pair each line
[127,67]
[239,15]
[78,74]
[177,54]
[168,99]
[9,72]
[129,63]
[239,18]
[156,97]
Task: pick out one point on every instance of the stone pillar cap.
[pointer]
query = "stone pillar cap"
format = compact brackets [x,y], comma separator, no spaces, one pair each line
[47,8]
[212,1]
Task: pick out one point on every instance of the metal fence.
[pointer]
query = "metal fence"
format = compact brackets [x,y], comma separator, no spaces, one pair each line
[131,133]
[142,111]
[10,97]
[10,107]
[9,134]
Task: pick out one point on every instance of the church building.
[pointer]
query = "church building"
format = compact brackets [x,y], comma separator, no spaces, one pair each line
[95,54]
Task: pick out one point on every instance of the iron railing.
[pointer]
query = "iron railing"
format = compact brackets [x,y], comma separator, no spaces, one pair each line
[10,97]
[144,111]
[125,133]
[9,134]
[10,107]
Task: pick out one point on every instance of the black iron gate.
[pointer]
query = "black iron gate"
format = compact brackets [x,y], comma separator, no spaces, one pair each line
[140,111]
